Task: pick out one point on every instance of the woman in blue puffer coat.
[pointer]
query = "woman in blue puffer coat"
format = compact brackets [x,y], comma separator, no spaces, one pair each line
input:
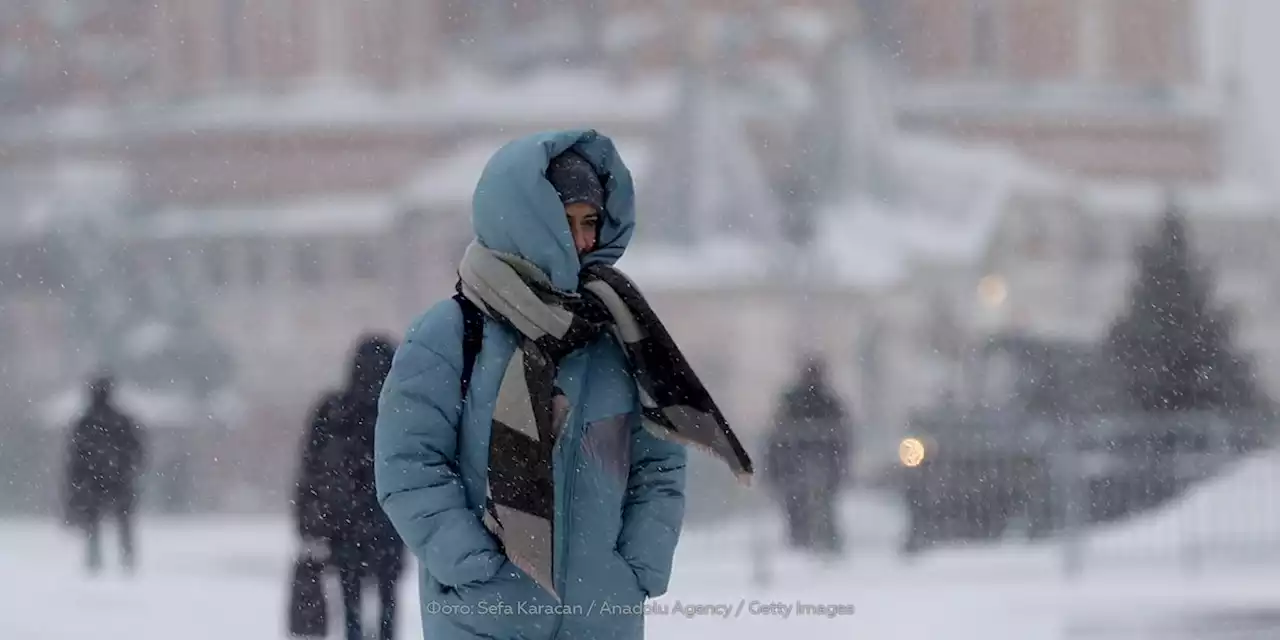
[547,502]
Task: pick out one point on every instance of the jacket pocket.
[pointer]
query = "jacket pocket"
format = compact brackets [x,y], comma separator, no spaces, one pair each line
[507,605]
[631,575]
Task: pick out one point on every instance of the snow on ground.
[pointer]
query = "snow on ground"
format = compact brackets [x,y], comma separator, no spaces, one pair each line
[209,579]
[1232,517]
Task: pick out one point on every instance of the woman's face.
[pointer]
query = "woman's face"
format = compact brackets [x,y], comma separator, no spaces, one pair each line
[584,224]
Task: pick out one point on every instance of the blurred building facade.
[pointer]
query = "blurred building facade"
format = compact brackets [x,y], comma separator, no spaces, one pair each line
[302,170]
[1108,90]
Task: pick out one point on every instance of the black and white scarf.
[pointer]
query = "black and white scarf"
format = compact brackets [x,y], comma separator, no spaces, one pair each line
[530,409]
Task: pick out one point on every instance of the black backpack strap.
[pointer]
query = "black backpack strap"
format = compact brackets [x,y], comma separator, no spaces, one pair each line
[472,338]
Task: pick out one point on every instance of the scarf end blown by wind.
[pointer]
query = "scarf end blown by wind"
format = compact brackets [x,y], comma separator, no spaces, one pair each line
[677,407]
[529,410]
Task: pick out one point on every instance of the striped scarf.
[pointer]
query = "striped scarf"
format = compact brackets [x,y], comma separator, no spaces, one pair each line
[530,410]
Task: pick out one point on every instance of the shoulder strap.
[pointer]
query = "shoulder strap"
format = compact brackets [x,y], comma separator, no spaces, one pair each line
[472,338]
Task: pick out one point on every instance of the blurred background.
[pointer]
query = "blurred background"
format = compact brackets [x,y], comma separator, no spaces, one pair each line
[1032,243]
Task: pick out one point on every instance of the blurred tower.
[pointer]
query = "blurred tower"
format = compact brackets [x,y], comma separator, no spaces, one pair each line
[1243,156]
[710,184]
[855,122]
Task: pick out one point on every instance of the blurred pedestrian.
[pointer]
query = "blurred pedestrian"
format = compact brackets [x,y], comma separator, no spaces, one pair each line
[105,456]
[553,481]
[308,606]
[363,546]
[808,460]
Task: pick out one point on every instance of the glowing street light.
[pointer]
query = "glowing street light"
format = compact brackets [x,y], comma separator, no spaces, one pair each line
[911,452]
[993,291]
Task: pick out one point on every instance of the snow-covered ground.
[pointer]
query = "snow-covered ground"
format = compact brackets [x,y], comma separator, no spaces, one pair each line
[207,579]
[1232,519]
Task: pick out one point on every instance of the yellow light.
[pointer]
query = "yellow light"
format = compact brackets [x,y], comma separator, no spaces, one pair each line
[993,291]
[911,452]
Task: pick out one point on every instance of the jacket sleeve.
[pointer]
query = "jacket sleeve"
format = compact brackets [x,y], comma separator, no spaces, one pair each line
[654,511]
[416,454]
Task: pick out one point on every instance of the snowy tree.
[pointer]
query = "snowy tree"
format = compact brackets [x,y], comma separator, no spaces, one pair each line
[1173,348]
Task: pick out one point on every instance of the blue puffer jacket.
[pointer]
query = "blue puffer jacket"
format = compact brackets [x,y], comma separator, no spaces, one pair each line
[619,490]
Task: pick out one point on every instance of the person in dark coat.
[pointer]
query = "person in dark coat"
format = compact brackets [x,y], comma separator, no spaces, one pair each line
[105,455]
[310,515]
[808,460]
[308,614]
[363,545]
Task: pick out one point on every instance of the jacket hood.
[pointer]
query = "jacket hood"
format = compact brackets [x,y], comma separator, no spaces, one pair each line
[516,210]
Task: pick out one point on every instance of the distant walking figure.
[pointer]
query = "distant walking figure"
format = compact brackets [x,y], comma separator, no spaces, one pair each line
[105,455]
[338,501]
[808,460]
